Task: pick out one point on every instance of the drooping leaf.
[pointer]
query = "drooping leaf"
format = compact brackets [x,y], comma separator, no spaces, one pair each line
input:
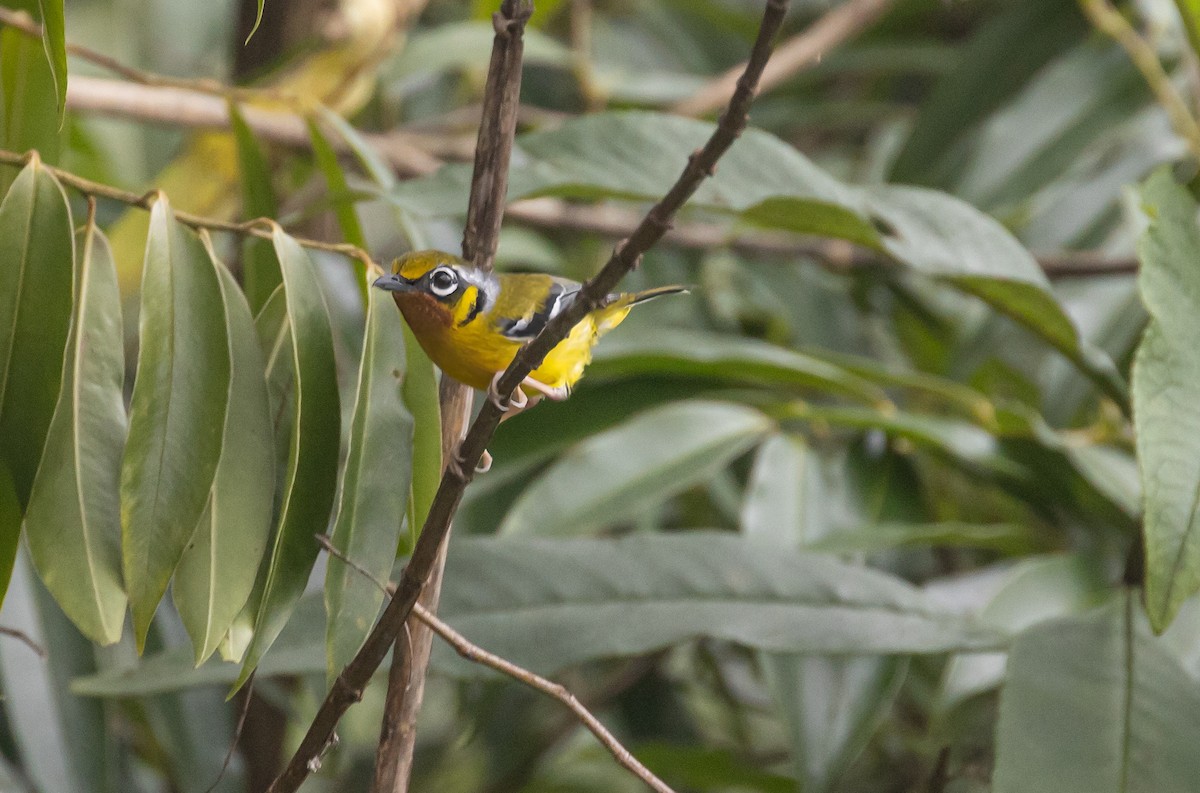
[54,40]
[73,524]
[613,476]
[375,486]
[1166,387]
[313,453]
[218,567]
[699,354]
[1095,704]
[260,270]
[546,604]
[177,412]
[37,251]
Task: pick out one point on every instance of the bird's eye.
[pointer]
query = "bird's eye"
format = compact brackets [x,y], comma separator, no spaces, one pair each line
[443,281]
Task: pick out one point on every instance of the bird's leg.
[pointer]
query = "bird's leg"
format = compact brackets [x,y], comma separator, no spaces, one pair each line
[556,394]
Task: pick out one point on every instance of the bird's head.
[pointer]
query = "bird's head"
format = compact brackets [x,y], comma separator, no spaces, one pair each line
[435,284]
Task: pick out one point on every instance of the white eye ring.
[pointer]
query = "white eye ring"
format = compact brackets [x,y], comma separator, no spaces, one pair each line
[443,281]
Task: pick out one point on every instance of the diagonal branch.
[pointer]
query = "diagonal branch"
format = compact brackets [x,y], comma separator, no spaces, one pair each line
[347,688]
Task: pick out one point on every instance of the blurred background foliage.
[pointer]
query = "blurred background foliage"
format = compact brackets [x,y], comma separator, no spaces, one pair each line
[857,514]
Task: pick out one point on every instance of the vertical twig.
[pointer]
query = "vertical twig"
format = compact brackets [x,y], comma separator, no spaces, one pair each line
[489,186]
[347,688]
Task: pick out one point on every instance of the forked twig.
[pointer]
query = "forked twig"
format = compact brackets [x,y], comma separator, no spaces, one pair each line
[476,654]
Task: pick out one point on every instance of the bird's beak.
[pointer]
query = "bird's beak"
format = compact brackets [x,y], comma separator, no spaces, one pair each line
[393,283]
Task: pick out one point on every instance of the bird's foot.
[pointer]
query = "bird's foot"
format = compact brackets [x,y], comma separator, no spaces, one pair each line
[515,402]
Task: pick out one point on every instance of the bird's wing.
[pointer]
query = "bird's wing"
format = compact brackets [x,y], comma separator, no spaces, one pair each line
[557,295]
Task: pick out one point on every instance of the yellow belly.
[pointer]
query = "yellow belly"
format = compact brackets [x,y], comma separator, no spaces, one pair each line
[474,355]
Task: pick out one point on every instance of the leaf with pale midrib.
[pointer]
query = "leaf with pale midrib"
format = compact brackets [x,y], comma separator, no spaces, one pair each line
[73,525]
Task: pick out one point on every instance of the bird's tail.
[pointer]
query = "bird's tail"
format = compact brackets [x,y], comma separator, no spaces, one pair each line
[633,298]
[610,316]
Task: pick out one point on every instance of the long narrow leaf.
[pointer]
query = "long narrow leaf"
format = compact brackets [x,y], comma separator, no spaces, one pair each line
[73,525]
[37,250]
[54,40]
[313,456]
[217,571]
[177,412]
[260,269]
[375,486]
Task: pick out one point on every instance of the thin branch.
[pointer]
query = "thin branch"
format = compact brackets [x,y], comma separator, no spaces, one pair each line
[1108,20]
[348,686]
[806,49]
[186,107]
[481,235]
[25,639]
[258,227]
[476,654]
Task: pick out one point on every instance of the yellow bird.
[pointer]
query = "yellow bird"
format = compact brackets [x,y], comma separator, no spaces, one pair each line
[471,322]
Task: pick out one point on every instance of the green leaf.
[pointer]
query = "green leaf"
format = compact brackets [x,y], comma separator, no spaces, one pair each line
[617,474]
[375,486]
[1036,589]
[37,276]
[777,499]
[73,524]
[177,412]
[54,40]
[28,111]
[313,453]
[547,604]
[257,21]
[420,393]
[260,269]
[217,570]
[1166,388]
[1095,704]
[339,195]
[699,354]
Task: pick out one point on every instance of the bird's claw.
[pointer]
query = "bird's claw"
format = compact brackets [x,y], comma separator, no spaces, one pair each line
[485,463]
[516,401]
